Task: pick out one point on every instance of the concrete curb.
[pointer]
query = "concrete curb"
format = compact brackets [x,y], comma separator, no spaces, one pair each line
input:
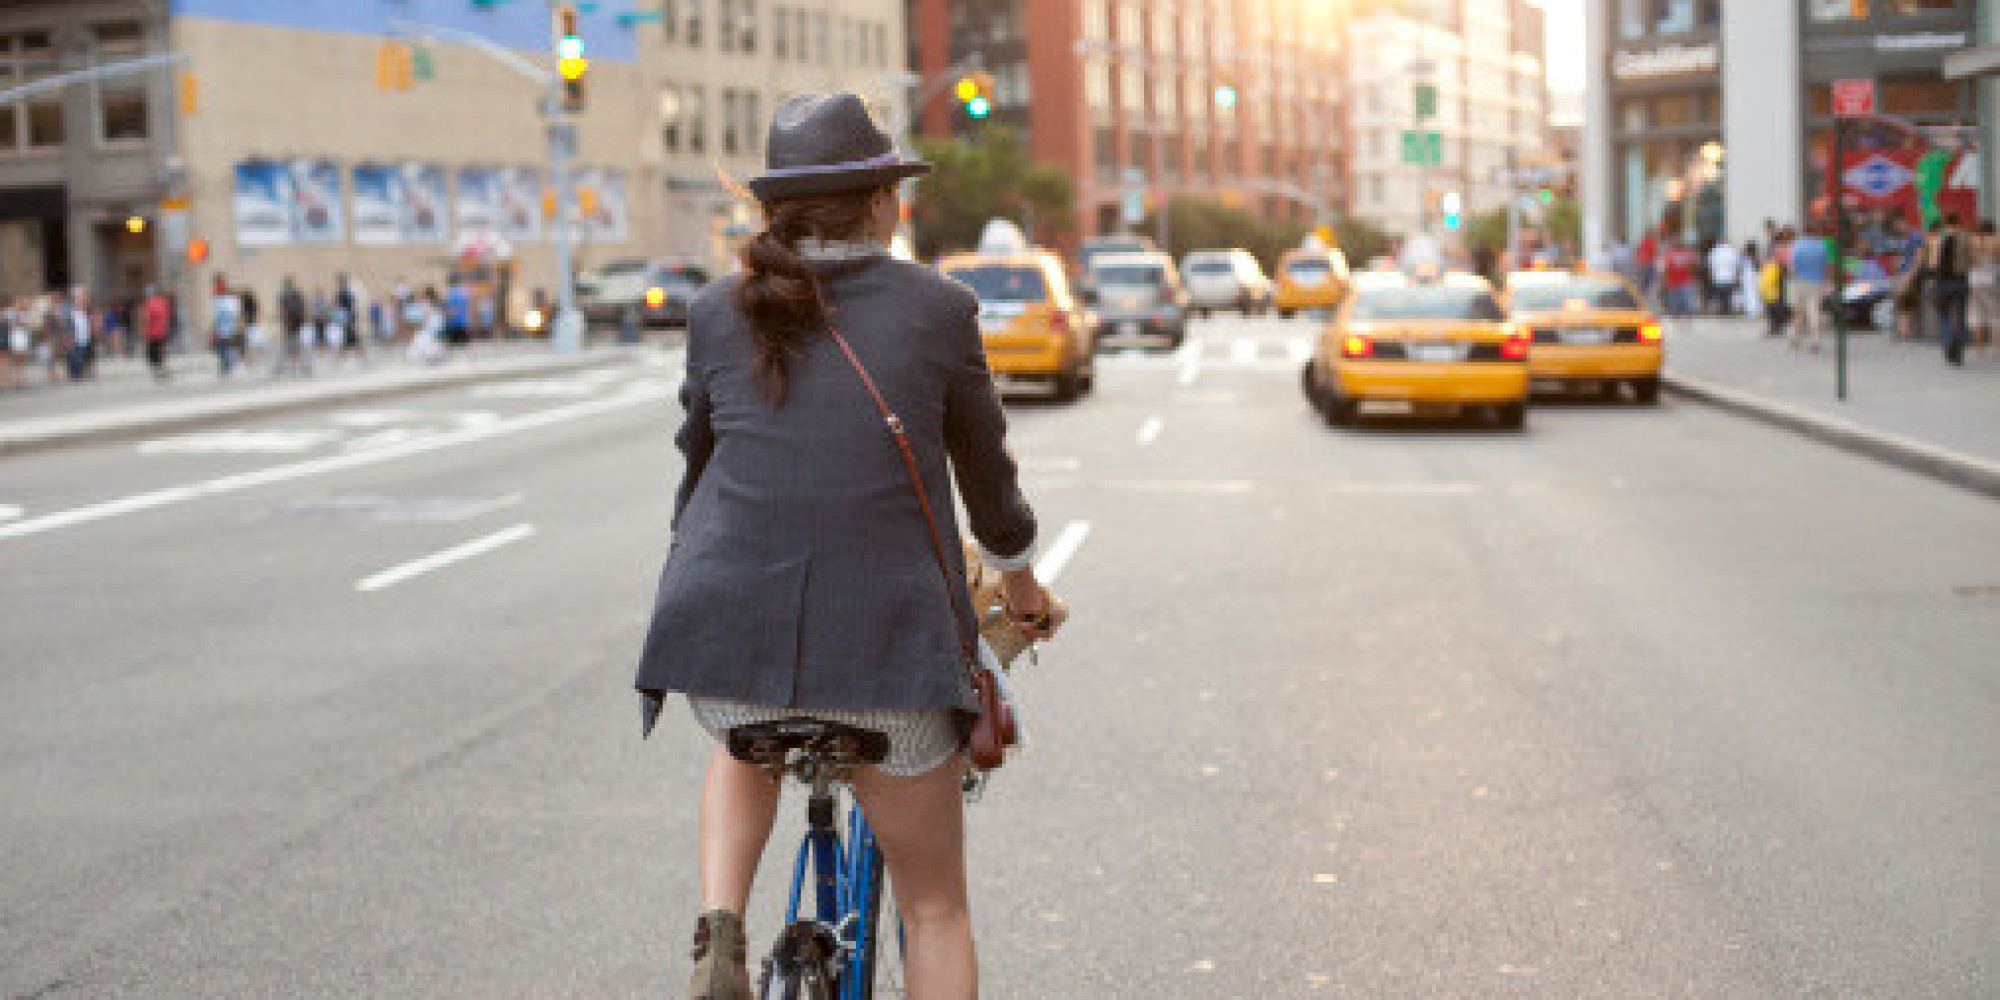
[1956,468]
[142,419]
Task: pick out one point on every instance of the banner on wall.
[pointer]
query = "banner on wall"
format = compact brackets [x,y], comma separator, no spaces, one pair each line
[317,202]
[521,204]
[478,200]
[263,204]
[424,201]
[605,219]
[378,204]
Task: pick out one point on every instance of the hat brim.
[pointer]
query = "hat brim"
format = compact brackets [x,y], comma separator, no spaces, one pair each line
[768,188]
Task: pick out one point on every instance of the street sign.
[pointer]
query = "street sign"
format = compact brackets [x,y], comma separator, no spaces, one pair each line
[1853,97]
[1132,208]
[1422,149]
[1426,99]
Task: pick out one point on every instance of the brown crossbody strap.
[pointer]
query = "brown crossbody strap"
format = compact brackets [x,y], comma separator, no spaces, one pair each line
[897,431]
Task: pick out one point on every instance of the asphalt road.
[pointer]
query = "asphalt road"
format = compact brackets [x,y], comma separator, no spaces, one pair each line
[1637,703]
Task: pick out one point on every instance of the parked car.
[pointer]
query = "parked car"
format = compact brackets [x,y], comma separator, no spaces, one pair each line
[1225,279]
[1442,344]
[1033,327]
[655,291]
[1139,295]
[1590,332]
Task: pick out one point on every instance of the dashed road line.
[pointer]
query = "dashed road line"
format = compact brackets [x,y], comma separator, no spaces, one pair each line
[1149,431]
[1058,556]
[9,512]
[438,560]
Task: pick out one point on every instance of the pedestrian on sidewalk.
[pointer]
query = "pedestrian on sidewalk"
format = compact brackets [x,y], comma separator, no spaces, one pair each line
[72,335]
[253,331]
[1945,262]
[803,581]
[426,314]
[1725,264]
[1906,248]
[1812,273]
[1679,268]
[1647,257]
[1982,279]
[347,316]
[156,318]
[1774,287]
[226,326]
[1749,273]
[457,314]
[15,342]
[293,331]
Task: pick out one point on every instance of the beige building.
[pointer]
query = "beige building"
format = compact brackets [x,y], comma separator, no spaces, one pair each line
[1484,59]
[395,139]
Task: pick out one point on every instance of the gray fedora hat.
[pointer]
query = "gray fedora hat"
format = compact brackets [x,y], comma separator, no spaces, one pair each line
[827,144]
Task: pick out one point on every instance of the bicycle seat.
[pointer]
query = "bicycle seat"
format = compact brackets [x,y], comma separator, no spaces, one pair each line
[770,745]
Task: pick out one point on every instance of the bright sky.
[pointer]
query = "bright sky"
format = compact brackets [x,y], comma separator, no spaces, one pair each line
[1565,41]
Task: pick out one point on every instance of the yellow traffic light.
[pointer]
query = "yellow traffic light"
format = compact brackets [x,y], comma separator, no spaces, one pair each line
[968,88]
[135,224]
[571,64]
[586,200]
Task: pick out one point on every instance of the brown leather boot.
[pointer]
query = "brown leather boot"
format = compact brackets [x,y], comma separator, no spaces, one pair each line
[720,957]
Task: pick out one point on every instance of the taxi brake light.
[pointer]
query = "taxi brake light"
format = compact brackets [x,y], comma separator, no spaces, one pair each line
[1060,321]
[1650,332]
[1356,346]
[1515,347]
[656,297]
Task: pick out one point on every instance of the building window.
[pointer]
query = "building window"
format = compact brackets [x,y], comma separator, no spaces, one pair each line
[691,21]
[121,112]
[822,42]
[781,32]
[732,123]
[746,25]
[37,122]
[671,112]
[1105,148]
[694,118]
[725,26]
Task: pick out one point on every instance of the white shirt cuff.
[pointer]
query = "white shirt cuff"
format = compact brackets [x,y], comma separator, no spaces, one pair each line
[1008,564]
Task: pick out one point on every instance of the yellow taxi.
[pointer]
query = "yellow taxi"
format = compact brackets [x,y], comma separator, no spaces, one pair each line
[1310,278]
[1033,326]
[1591,333]
[1420,346]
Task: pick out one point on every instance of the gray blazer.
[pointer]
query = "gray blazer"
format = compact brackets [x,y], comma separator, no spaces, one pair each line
[800,572]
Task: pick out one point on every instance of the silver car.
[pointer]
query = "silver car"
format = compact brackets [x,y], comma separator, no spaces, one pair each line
[1139,295]
[1225,279]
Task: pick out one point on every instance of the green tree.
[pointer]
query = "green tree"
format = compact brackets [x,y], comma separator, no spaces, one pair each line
[985,177]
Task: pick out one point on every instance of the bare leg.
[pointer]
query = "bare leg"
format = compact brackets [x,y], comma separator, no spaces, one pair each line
[920,822]
[738,804]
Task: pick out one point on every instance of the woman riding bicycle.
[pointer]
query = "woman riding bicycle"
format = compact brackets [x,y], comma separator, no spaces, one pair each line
[801,580]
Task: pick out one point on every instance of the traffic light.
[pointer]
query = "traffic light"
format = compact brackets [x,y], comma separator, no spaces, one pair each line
[1546,196]
[1454,210]
[570,62]
[975,92]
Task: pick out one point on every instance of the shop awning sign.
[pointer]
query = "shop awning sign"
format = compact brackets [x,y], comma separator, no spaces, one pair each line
[1877,177]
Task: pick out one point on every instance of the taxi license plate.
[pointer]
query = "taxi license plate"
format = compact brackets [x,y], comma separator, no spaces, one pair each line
[994,324]
[1128,328]
[1437,352]
[1586,335]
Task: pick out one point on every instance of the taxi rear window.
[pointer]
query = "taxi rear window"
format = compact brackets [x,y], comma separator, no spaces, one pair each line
[1209,265]
[1593,294]
[1130,274]
[1425,303]
[993,283]
[1308,267]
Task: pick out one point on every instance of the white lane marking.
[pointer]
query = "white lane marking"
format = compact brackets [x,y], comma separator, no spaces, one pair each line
[238,442]
[1217,487]
[438,560]
[1189,359]
[1243,351]
[1058,556]
[8,512]
[1055,464]
[373,418]
[317,466]
[1149,431]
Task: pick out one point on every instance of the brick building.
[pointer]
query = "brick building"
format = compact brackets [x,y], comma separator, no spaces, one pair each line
[1238,100]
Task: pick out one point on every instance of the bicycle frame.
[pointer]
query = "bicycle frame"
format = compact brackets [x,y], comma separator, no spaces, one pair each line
[846,882]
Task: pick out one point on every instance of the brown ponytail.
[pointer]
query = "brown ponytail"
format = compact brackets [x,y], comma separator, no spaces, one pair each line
[780,293]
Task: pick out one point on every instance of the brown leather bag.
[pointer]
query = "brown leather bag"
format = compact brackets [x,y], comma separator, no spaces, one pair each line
[994,731]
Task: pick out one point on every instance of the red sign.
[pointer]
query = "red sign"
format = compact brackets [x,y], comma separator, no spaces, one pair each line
[1853,97]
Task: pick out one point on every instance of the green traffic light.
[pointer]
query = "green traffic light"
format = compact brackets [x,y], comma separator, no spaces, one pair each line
[979,107]
[1546,196]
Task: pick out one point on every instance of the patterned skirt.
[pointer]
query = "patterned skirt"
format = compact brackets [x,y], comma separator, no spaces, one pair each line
[919,739]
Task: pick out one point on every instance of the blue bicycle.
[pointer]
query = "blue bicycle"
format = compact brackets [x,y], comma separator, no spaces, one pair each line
[829,954]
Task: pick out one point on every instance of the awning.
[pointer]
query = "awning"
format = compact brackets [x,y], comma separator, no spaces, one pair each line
[1973,63]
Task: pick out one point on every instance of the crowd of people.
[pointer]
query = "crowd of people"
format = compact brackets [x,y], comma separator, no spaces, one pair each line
[63,335]
[1787,279]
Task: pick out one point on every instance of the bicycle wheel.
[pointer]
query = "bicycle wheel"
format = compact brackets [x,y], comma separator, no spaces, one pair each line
[800,966]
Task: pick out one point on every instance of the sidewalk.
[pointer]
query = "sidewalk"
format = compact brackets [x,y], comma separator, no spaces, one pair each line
[1904,404]
[124,399]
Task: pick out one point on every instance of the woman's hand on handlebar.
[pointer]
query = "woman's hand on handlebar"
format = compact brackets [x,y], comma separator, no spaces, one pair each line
[1029,605]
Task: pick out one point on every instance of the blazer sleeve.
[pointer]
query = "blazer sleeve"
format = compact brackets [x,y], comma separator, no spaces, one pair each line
[696,438]
[975,436]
